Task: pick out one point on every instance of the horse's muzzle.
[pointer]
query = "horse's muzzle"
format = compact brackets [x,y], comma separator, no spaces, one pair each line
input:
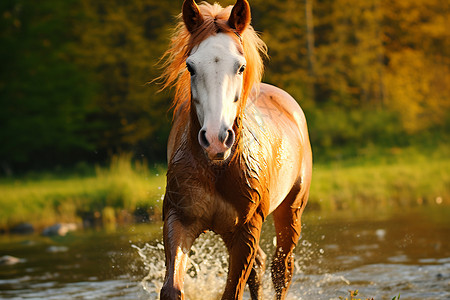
[217,146]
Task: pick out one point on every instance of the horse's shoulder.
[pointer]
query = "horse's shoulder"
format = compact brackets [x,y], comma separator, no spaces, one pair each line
[278,98]
[276,103]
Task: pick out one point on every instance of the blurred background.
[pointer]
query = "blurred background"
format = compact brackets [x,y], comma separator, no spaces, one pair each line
[371,76]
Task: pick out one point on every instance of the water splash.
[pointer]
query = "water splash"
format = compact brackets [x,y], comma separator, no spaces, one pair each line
[208,266]
[153,258]
[206,270]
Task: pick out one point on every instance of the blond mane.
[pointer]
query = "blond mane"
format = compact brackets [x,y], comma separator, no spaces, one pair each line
[175,74]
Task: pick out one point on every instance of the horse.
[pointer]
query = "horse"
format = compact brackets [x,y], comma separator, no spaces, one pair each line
[238,150]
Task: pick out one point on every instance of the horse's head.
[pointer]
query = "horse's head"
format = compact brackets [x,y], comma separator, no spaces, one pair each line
[217,66]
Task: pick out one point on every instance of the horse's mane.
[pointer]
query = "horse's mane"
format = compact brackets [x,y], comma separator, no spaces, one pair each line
[215,17]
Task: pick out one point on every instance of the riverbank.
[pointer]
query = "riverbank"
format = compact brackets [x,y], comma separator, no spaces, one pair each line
[127,192]
[124,192]
[403,177]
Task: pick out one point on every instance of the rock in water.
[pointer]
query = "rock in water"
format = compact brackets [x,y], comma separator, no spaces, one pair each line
[8,260]
[56,249]
[60,229]
[23,228]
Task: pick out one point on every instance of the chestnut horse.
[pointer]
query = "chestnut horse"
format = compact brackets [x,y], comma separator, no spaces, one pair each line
[238,151]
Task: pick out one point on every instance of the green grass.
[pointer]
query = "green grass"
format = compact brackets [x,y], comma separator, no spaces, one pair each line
[114,192]
[405,177]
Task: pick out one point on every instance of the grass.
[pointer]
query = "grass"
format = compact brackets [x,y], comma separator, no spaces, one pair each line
[124,189]
[113,193]
[403,178]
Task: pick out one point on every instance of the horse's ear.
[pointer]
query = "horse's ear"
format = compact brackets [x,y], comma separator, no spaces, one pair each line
[191,15]
[240,16]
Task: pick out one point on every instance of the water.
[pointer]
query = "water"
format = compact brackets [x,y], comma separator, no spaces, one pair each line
[382,255]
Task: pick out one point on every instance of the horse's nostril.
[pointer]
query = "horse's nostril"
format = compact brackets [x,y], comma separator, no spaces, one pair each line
[202,139]
[223,135]
[230,138]
[220,156]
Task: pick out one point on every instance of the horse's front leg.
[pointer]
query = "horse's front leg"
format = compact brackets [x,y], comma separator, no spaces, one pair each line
[256,275]
[178,239]
[242,248]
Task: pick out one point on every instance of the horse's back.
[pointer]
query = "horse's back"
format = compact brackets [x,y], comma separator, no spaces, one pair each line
[279,104]
[285,128]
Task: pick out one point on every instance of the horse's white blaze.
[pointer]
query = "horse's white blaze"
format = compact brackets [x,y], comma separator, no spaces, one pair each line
[216,85]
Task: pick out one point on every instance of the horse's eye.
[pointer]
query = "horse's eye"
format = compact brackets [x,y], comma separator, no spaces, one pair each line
[241,70]
[190,69]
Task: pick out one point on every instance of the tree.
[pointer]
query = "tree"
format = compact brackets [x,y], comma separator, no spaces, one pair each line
[121,43]
[44,95]
[417,43]
[349,52]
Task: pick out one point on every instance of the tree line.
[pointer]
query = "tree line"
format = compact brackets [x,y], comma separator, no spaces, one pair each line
[74,76]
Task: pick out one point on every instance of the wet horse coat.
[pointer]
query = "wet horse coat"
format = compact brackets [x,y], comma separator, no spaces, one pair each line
[238,151]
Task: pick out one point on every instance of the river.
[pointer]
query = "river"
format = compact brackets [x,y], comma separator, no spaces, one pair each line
[382,254]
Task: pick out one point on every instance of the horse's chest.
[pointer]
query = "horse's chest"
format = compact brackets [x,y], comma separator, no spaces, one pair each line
[217,205]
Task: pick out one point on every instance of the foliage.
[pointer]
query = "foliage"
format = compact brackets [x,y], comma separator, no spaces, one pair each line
[44,96]
[369,74]
[121,42]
